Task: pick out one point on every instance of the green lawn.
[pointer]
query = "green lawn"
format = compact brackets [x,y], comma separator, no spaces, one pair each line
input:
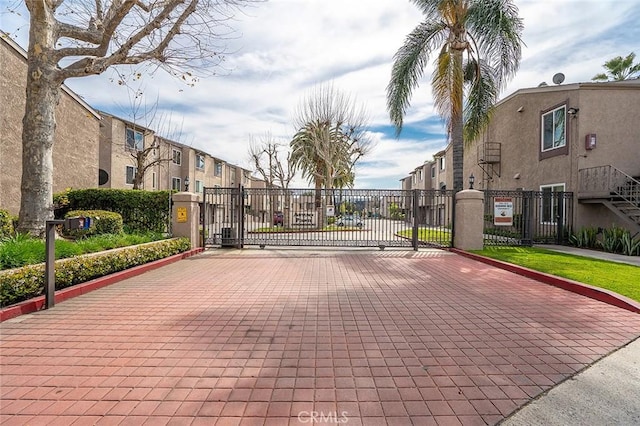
[429,235]
[620,278]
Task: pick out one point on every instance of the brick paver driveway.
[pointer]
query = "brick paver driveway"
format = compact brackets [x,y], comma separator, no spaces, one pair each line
[302,337]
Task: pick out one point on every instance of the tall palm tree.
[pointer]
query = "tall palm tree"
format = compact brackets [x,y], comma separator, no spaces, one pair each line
[476,44]
[619,69]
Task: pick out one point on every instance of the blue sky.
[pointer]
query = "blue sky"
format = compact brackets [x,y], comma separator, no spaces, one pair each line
[283,48]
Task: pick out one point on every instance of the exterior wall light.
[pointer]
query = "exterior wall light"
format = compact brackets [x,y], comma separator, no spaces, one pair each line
[472,179]
[186,184]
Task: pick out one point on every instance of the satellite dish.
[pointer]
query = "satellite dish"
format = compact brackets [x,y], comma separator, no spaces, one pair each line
[543,84]
[558,78]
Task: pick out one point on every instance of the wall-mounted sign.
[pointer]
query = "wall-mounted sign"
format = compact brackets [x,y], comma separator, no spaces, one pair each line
[181,213]
[331,211]
[503,211]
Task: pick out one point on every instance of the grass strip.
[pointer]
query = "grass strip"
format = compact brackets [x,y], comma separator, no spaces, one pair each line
[618,277]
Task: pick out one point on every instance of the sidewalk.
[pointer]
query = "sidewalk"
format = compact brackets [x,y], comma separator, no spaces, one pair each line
[596,254]
[606,393]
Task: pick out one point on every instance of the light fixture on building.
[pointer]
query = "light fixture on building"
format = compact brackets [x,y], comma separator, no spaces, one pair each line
[521,109]
[573,111]
[472,179]
[186,184]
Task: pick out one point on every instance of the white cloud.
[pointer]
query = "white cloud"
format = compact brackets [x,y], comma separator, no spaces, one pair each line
[284,47]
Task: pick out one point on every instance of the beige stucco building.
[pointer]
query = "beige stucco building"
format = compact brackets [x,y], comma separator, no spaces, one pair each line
[75,152]
[582,138]
[126,147]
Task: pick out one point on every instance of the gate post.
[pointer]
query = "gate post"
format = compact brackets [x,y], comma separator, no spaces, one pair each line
[469,220]
[185,216]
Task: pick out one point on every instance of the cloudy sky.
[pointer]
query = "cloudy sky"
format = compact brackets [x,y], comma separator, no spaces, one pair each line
[283,48]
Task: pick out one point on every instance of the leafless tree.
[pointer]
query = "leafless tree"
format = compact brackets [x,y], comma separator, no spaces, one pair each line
[77,38]
[266,155]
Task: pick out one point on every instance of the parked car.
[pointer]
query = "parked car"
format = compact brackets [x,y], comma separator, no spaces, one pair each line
[350,221]
[278,219]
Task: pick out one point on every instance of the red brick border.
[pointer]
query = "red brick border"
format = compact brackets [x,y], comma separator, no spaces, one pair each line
[592,292]
[36,304]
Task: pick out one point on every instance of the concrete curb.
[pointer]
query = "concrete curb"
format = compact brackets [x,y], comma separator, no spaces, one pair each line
[587,290]
[37,303]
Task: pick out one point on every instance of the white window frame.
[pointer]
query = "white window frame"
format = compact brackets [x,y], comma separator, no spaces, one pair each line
[138,143]
[553,208]
[176,153]
[442,163]
[199,186]
[133,176]
[433,172]
[177,180]
[200,159]
[217,169]
[554,116]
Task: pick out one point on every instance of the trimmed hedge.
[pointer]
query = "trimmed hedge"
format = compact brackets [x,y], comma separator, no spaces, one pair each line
[27,282]
[102,222]
[141,210]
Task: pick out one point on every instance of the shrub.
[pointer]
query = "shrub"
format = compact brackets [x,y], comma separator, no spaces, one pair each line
[27,282]
[141,210]
[6,223]
[585,238]
[612,239]
[102,222]
[629,246]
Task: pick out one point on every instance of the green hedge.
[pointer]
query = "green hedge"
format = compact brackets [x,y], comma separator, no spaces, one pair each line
[27,282]
[141,210]
[102,222]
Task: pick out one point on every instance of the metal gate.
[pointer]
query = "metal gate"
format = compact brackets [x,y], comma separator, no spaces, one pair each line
[238,217]
[522,218]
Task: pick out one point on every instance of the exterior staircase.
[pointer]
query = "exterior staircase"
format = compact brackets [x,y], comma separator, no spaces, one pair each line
[615,189]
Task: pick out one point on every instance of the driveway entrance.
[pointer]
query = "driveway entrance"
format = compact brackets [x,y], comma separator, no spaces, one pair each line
[238,217]
[274,337]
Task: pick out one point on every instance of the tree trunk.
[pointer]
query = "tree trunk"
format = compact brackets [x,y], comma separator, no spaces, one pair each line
[42,96]
[457,125]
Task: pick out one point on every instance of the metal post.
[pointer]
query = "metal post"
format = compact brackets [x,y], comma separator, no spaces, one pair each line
[50,262]
[560,218]
[414,210]
[527,218]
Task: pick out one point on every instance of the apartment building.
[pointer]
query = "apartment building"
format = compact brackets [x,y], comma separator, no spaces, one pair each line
[583,138]
[75,150]
[127,147]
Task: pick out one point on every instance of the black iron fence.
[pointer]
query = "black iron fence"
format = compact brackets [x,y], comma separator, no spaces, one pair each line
[235,217]
[513,218]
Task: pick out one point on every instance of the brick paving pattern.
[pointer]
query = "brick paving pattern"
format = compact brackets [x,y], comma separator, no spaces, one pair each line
[275,337]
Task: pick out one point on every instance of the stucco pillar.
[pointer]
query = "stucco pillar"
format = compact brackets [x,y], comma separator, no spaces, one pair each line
[469,220]
[185,216]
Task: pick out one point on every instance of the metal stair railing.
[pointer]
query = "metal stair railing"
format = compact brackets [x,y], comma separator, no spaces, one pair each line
[612,181]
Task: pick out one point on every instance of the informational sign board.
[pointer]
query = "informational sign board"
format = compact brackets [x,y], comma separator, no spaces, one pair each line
[331,211]
[181,214]
[503,211]
[304,219]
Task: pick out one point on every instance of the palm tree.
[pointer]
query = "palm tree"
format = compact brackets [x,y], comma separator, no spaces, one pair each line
[476,44]
[619,69]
